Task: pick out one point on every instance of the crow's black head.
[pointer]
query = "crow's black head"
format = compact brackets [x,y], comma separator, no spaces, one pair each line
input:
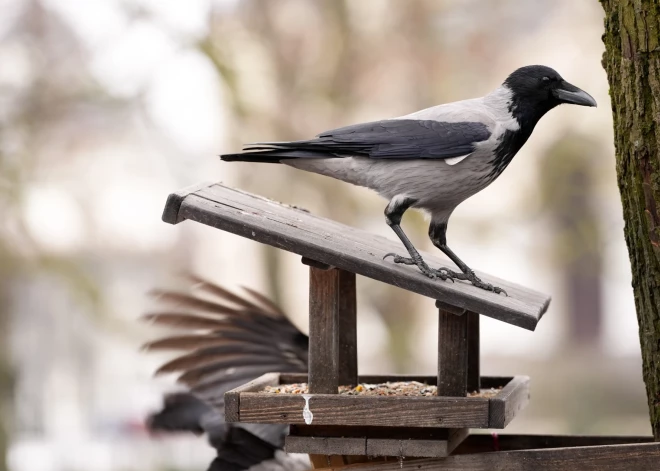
[537,89]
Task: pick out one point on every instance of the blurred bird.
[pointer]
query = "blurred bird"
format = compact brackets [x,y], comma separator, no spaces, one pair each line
[433,159]
[227,341]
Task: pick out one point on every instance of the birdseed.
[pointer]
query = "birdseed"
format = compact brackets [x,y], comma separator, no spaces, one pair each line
[395,388]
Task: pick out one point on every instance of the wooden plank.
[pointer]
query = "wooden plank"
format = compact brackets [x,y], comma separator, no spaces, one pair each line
[508,402]
[452,354]
[353,250]
[323,331]
[374,441]
[419,433]
[407,448]
[415,448]
[388,411]
[323,461]
[348,369]
[627,457]
[325,445]
[232,397]
[474,361]
[483,443]
[174,200]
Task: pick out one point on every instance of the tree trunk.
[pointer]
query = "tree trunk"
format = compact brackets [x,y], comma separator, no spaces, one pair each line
[632,62]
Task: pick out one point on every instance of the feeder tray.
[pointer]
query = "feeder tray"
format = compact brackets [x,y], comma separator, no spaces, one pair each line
[327,424]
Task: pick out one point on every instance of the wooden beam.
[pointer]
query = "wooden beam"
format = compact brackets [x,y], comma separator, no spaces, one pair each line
[348,248]
[324,308]
[484,443]
[474,361]
[326,445]
[452,354]
[348,369]
[374,441]
[509,401]
[232,397]
[379,411]
[626,457]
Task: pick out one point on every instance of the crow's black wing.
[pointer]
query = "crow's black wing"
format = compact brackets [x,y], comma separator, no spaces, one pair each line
[387,139]
[227,340]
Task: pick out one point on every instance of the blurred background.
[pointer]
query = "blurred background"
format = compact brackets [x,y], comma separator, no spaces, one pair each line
[106,106]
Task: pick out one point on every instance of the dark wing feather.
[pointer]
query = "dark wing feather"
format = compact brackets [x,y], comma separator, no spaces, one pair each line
[387,139]
[234,339]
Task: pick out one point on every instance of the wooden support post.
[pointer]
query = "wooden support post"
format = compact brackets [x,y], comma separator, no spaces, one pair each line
[348,371]
[473,374]
[323,331]
[452,354]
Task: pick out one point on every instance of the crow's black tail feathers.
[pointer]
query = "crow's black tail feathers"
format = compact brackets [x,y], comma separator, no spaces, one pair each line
[274,152]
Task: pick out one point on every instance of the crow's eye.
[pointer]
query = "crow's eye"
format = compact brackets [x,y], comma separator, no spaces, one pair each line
[546,79]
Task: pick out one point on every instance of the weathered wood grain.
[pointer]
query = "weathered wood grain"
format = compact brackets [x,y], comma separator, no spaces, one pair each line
[452,354]
[483,443]
[348,248]
[348,369]
[626,457]
[417,448]
[374,441]
[419,433]
[384,411]
[323,331]
[378,411]
[508,402]
[174,200]
[326,445]
[474,360]
[232,397]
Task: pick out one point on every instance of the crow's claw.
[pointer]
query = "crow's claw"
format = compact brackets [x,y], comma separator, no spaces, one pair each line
[474,279]
[421,264]
[399,259]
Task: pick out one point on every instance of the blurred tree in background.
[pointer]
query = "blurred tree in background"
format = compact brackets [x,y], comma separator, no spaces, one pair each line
[632,62]
[567,188]
[322,69]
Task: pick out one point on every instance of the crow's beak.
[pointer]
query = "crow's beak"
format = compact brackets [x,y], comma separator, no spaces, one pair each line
[567,93]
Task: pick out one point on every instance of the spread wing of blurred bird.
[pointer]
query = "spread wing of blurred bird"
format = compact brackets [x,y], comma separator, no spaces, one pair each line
[225,340]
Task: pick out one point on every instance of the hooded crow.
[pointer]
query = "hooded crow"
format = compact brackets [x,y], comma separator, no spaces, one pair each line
[433,159]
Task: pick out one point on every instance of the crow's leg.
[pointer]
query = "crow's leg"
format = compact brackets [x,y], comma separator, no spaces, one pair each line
[393,214]
[438,235]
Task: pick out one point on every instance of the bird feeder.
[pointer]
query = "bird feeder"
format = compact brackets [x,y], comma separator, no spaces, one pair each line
[336,429]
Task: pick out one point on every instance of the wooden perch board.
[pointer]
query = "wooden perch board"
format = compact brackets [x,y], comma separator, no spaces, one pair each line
[354,250]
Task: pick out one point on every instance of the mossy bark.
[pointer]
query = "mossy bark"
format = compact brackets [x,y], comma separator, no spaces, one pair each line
[632,62]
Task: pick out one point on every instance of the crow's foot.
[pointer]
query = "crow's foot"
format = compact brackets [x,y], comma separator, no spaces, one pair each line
[474,279]
[421,264]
